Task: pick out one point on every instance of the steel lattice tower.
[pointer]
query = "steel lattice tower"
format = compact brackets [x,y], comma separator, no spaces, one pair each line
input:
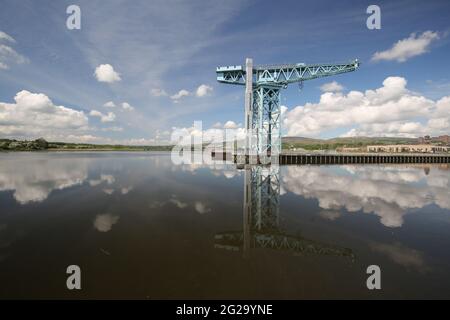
[262,101]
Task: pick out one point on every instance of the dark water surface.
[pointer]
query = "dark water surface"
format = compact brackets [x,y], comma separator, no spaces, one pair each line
[141,227]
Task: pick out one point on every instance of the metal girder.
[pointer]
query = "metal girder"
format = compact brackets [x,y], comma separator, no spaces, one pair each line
[262,101]
[266,123]
[248,108]
[282,75]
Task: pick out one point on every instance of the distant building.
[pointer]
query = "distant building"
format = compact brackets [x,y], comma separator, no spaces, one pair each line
[424,140]
[413,148]
[445,139]
[348,149]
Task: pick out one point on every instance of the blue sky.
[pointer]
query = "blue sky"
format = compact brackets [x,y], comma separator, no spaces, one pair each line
[168,46]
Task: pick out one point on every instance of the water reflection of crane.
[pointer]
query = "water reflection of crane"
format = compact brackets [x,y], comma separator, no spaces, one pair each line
[261,220]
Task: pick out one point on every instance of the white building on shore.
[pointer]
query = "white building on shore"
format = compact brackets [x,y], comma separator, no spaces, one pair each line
[411,148]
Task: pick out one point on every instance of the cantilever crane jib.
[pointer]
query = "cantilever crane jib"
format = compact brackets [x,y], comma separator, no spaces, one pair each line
[283,74]
[262,99]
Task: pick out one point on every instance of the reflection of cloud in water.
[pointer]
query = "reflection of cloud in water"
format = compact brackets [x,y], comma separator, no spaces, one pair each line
[404,256]
[108,191]
[282,190]
[156,204]
[178,202]
[104,222]
[330,214]
[230,174]
[109,179]
[218,169]
[386,191]
[33,180]
[201,207]
[125,190]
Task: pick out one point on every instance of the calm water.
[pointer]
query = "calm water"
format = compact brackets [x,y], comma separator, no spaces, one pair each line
[142,227]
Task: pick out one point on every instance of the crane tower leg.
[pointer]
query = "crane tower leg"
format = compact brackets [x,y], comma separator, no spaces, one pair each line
[266,123]
[248,108]
[262,120]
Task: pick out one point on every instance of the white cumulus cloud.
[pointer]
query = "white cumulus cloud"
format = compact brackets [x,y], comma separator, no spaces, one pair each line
[331,87]
[109,117]
[230,125]
[203,90]
[106,73]
[109,104]
[34,114]
[157,92]
[126,106]
[180,94]
[6,37]
[407,48]
[391,110]
[215,134]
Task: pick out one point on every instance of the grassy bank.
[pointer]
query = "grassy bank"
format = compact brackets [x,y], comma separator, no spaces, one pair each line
[43,145]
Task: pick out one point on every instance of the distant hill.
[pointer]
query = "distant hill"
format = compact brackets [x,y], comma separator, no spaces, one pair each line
[300,140]
[334,143]
[349,140]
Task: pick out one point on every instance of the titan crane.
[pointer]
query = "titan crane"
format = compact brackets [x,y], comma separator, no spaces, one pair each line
[262,99]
